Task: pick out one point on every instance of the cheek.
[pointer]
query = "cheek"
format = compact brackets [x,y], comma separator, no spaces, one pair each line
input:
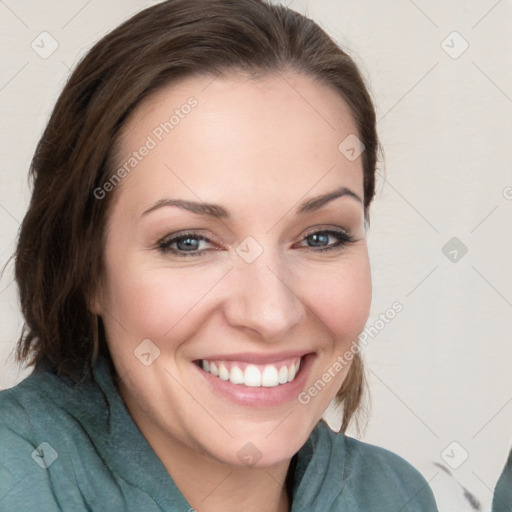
[150,302]
[341,298]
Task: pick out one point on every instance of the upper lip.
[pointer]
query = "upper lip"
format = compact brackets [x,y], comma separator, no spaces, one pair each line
[253,358]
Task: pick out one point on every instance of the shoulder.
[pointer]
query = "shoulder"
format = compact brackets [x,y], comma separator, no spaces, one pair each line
[23,483]
[374,461]
[44,421]
[361,456]
[43,400]
[23,403]
[374,478]
[39,402]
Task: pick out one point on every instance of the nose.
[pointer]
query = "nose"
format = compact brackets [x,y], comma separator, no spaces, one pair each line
[263,298]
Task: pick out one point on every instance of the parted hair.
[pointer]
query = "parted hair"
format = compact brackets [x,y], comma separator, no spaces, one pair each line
[60,246]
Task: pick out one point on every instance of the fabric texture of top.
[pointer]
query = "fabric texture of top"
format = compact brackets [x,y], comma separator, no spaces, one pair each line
[502,499]
[64,447]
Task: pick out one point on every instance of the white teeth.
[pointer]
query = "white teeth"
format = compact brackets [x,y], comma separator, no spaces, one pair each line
[283,375]
[271,376]
[213,369]
[223,372]
[236,376]
[252,376]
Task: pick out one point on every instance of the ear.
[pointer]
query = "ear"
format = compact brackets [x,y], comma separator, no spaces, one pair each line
[95,301]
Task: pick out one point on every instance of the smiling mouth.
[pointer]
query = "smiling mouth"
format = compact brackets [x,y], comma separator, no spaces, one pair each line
[253,375]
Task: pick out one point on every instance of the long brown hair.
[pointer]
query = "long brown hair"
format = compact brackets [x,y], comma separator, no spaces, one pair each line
[58,261]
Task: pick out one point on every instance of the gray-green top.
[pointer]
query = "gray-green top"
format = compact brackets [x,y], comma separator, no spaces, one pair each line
[64,448]
[502,500]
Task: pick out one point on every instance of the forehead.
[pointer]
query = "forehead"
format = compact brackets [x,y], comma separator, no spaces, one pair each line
[278,134]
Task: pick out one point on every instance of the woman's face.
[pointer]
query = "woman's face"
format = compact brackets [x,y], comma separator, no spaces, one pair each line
[245,284]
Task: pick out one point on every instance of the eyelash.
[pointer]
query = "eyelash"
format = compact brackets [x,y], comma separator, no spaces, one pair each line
[164,245]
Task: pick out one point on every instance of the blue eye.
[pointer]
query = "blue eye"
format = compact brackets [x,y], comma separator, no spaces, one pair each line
[319,239]
[187,244]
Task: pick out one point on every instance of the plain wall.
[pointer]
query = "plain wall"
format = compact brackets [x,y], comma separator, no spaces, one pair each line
[439,372]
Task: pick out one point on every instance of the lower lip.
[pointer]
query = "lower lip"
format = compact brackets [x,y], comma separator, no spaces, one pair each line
[260,396]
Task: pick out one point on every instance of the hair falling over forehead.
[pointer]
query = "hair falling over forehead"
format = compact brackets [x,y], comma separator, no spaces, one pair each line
[58,260]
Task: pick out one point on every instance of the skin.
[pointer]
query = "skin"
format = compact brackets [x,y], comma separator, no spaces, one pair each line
[258,148]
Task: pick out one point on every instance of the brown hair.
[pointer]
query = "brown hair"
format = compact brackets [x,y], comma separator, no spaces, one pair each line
[58,261]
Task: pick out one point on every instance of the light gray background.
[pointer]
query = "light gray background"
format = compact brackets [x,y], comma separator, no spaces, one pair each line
[440,371]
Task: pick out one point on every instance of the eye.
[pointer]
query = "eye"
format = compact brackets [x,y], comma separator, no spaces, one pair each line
[189,244]
[186,244]
[320,239]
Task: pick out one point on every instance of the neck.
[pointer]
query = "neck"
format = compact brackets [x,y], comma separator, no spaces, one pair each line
[210,486]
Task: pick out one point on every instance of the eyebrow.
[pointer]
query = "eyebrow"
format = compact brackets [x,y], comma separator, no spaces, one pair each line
[219,212]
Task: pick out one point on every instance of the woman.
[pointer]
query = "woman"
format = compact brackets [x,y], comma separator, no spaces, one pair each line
[194,275]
